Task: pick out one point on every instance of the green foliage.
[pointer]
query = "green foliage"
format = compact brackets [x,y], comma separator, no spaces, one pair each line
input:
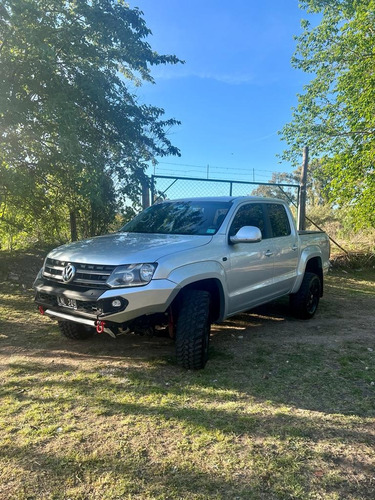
[335,115]
[74,140]
[316,186]
[321,212]
[288,194]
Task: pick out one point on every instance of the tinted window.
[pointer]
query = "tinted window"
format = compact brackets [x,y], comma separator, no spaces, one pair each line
[180,217]
[248,215]
[279,220]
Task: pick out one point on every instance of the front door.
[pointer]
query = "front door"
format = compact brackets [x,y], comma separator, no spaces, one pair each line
[250,274]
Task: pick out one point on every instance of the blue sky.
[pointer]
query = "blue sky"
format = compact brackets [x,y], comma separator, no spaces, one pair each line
[235,90]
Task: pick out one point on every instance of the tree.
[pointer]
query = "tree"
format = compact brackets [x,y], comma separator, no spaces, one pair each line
[288,194]
[335,115]
[71,127]
[320,212]
[316,186]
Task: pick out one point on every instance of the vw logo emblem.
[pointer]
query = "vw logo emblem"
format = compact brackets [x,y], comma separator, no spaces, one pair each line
[68,273]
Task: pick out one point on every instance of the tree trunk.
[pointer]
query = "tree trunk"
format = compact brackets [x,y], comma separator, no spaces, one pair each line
[73,226]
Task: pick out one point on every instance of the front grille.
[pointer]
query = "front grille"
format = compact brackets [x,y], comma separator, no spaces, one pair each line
[87,275]
[93,308]
[46,299]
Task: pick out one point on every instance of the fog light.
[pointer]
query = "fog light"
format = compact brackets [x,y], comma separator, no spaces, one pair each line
[116,303]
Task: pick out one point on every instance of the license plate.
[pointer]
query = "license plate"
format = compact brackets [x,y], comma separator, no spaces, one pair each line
[65,302]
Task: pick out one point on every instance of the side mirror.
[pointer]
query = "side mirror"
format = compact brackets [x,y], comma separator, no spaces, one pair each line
[247,234]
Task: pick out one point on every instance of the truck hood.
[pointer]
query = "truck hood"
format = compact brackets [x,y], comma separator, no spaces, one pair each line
[126,248]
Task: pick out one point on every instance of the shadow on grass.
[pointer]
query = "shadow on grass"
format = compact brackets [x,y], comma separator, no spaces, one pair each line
[132,473]
[251,391]
[262,365]
[119,393]
[136,391]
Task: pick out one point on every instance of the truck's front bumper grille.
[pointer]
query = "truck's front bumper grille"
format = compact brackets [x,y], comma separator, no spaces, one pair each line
[91,308]
[86,275]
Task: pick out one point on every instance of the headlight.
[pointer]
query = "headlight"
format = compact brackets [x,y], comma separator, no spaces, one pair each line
[132,275]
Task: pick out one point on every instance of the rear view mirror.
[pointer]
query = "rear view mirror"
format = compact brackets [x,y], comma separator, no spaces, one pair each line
[247,234]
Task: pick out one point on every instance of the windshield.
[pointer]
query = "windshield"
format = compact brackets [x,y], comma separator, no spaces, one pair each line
[180,217]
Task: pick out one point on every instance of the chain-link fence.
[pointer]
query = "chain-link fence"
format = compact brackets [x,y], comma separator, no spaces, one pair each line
[173,187]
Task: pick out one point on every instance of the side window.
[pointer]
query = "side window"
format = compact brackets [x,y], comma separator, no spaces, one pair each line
[248,215]
[279,220]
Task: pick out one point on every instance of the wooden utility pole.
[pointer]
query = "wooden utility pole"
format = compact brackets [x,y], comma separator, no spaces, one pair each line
[301,221]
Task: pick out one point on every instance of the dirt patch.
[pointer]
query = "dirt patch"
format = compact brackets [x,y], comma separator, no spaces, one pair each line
[346,313]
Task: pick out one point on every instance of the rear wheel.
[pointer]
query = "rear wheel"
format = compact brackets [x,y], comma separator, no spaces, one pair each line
[193,329]
[75,331]
[305,302]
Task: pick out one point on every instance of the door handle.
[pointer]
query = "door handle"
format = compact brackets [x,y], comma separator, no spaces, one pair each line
[295,247]
[268,253]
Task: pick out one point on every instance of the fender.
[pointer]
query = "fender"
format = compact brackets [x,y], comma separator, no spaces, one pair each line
[307,254]
[199,271]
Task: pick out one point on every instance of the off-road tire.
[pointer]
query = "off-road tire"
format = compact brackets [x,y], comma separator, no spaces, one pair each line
[193,329]
[75,331]
[305,302]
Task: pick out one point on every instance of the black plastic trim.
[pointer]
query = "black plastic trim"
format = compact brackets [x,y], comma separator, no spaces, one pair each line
[46,296]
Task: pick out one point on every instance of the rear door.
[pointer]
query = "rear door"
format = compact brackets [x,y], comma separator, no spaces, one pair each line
[285,247]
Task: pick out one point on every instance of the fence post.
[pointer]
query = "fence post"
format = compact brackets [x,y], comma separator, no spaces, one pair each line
[152,189]
[301,219]
[145,193]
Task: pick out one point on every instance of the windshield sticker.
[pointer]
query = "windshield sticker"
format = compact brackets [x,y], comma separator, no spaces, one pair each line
[210,231]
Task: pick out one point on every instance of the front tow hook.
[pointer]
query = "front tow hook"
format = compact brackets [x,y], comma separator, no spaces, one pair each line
[100,325]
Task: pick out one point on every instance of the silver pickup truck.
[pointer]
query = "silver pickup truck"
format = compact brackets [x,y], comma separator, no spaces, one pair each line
[181,265]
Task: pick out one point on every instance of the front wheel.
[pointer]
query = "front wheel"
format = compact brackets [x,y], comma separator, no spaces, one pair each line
[193,329]
[305,302]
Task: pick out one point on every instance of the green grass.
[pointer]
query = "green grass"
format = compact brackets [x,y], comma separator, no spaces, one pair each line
[284,409]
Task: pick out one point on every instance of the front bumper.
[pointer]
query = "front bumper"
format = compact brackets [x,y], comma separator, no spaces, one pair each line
[82,321]
[94,304]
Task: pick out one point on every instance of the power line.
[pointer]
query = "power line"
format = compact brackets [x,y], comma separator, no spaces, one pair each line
[208,164]
[247,174]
